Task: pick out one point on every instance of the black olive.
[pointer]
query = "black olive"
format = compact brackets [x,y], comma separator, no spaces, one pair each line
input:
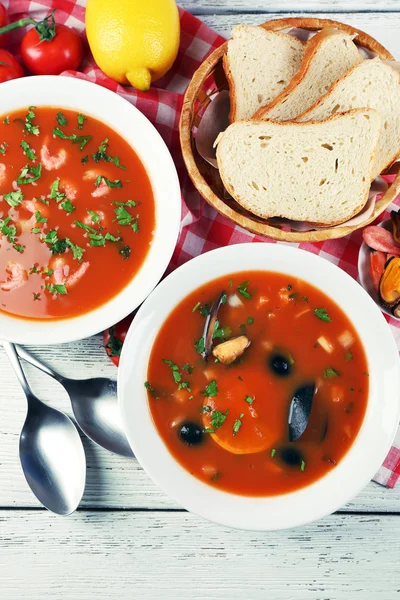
[190,433]
[291,456]
[280,365]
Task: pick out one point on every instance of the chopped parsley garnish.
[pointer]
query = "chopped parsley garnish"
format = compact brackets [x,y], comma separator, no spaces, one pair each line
[322,314]
[114,344]
[6,121]
[84,159]
[175,370]
[348,356]
[47,272]
[230,283]
[211,389]
[101,154]
[218,418]
[81,120]
[199,345]
[330,373]
[14,198]
[205,310]
[96,218]
[224,298]
[127,203]
[273,452]
[289,287]
[9,231]
[221,332]
[3,147]
[36,296]
[196,306]
[67,206]
[242,289]
[250,320]
[55,194]
[188,368]
[61,119]
[29,174]
[18,248]
[125,218]
[303,465]
[237,424]
[77,251]
[33,269]
[147,385]
[249,400]
[51,237]
[125,252]
[206,409]
[82,140]
[29,126]
[39,218]
[111,184]
[98,239]
[59,246]
[366,373]
[56,288]
[305,299]
[36,230]
[85,227]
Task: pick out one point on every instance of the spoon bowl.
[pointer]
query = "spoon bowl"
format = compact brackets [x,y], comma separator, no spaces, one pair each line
[51,451]
[52,457]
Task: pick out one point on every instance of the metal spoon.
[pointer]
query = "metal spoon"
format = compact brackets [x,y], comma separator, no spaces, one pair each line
[95,406]
[50,449]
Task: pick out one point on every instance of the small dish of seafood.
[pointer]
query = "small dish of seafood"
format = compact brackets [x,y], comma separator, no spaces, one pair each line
[379,264]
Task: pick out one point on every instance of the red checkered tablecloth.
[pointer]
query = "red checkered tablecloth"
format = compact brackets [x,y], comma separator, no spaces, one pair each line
[202,228]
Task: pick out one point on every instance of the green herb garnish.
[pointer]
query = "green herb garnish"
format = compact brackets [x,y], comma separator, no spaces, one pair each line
[322,314]
[249,400]
[81,120]
[14,198]
[330,373]
[303,465]
[84,159]
[348,356]
[29,126]
[61,119]
[101,154]
[111,184]
[56,288]
[242,289]
[67,206]
[188,368]
[125,252]
[273,452]
[175,370]
[196,306]
[82,140]
[237,424]
[199,345]
[55,194]
[29,174]
[250,320]
[3,147]
[211,389]
[96,218]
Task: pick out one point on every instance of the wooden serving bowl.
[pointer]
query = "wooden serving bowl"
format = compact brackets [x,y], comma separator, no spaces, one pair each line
[209,79]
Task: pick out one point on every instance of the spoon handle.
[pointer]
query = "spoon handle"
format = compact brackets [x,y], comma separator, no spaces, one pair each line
[22,353]
[12,355]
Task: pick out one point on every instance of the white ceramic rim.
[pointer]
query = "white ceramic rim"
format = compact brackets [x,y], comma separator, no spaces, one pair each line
[368,450]
[98,102]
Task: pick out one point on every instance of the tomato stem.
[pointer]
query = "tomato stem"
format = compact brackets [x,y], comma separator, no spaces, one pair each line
[46,28]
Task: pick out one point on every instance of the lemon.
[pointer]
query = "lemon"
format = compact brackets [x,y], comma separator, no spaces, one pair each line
[133,41]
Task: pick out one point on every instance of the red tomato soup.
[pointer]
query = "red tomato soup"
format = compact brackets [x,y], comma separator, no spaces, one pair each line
[76,213]
[264,395]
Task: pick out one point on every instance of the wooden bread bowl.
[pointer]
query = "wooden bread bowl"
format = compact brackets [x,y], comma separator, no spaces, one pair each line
[209,79]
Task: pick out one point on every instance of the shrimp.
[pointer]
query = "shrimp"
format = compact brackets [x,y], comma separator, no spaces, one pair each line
[17,277]
[62,273]
[92,175]
[52,162]
[2,173]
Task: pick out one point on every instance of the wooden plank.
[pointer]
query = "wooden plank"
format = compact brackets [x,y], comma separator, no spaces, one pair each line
[112,481]
[230,6]
[384,27]
[157,555]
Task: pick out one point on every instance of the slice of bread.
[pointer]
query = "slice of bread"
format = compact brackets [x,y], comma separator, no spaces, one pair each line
[319,172]
[258,65]
[372,84]
[328,55]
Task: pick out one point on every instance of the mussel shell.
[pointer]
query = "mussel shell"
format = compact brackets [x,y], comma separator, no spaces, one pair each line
[389,286]
[209,325]
[299,410]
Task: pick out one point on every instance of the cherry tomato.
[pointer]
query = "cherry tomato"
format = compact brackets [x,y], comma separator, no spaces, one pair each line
[9,67]
[114,337]
[52,57]
[4,20]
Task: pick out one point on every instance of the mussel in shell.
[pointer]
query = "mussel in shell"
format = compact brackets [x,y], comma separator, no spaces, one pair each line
[209,325]
[299,410]
[389,286]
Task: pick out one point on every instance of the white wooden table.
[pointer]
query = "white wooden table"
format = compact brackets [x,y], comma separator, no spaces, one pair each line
[129,540]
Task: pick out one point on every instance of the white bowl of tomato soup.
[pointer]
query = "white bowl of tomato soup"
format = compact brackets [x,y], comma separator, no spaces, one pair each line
[89,209]
[259,386]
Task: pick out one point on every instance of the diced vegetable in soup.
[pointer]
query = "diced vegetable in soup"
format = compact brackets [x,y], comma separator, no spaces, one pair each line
[258,383]
[76,213]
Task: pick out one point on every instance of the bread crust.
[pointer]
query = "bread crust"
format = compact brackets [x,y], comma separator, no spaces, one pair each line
[312,47]
[396,155]
[231,81]
[357,209]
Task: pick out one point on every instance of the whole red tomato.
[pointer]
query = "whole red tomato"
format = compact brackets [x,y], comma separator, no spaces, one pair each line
[4,20]
[9,67]
[51,57]
[114,337]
